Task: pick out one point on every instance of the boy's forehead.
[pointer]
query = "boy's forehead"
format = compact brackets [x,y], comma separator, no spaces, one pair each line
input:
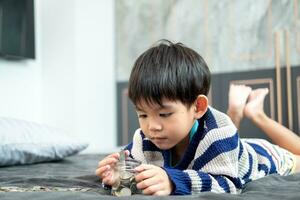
[165,104]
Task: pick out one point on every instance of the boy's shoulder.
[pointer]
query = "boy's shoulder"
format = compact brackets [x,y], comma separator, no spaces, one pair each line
[218,126]
[220,134]
[218,118]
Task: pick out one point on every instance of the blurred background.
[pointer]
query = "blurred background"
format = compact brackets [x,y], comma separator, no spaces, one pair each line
[66,63]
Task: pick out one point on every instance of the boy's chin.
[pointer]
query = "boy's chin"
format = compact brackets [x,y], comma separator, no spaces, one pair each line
[163,146]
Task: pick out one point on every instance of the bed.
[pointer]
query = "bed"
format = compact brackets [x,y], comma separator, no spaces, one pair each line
[73,178]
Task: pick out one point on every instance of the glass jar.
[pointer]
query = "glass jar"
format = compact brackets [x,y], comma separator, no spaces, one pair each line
[126,184]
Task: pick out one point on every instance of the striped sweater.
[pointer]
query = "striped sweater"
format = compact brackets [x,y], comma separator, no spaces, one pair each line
[216,159]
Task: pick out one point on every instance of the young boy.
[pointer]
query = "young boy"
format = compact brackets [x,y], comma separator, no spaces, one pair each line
[187,147]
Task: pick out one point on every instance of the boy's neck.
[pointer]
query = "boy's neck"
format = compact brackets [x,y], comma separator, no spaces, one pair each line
[179,150]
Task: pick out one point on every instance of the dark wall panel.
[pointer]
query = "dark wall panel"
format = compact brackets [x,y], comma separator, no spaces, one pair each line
[218,96]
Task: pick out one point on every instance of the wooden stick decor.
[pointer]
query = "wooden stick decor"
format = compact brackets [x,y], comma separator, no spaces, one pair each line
[278,77]
[288,80]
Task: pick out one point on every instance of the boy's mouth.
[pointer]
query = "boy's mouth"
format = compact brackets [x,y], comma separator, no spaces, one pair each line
[158,139]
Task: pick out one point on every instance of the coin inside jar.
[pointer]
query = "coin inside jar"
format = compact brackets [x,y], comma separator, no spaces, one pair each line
[124,192]
[126,174]
[126,178]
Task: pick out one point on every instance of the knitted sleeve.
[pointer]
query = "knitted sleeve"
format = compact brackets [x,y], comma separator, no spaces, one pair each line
[193,182]
[215,166]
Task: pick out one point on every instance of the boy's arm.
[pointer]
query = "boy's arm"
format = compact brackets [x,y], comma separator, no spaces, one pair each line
[215,166]
[193,182]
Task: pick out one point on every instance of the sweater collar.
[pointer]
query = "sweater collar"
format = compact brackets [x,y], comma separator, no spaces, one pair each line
[193,130]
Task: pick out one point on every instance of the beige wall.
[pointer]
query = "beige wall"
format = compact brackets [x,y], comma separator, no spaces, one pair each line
[232,35]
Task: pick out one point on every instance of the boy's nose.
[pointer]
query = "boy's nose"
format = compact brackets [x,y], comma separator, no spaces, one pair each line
[154,126]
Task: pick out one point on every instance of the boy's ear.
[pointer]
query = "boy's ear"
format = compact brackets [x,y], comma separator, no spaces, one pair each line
[201,106]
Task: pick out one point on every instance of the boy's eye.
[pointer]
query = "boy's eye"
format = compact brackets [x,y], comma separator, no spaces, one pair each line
[142,115]
[165,114]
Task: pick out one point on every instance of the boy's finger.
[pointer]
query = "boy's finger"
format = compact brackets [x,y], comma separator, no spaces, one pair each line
[108,161]
[143,167]
[161,193]
[101,170]
[107,173]
[146,183]
[107,180]
[114,155]
[127,153]
[146,174]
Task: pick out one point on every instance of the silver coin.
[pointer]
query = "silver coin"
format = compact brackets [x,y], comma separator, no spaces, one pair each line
[124,192]
[125,175]
[132,179]
[126,183]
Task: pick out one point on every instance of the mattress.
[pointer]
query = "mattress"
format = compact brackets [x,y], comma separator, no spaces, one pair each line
[74,178]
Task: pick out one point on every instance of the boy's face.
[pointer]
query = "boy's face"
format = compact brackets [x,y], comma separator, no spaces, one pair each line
[167,125]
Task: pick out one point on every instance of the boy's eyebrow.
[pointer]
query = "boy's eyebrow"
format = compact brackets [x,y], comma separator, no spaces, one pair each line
[166,106]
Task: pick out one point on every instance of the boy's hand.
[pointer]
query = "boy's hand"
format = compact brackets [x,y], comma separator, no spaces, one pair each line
[106,169]
[153,180]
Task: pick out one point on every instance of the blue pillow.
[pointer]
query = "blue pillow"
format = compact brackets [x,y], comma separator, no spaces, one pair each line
[24,142]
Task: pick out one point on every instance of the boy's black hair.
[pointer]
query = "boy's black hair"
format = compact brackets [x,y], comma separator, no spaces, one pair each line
[171,71]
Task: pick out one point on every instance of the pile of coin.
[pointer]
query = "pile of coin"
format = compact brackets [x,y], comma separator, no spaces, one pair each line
[126,185]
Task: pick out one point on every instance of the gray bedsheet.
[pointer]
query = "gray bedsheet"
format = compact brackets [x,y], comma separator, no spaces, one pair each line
[73,178]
